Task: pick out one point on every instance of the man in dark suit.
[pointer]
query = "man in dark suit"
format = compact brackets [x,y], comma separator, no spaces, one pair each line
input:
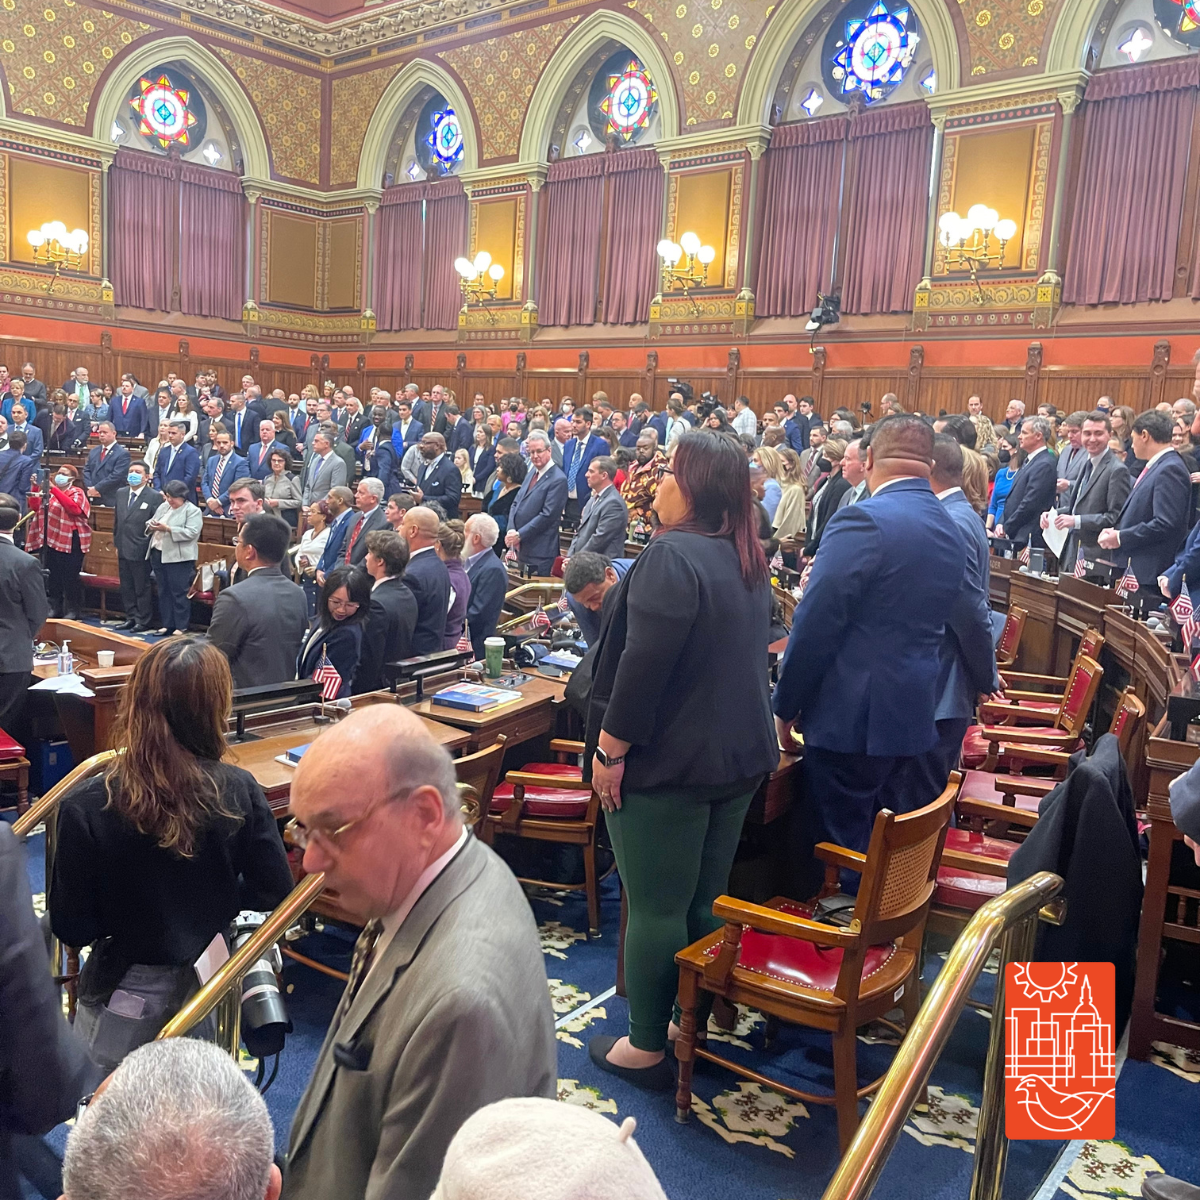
[259,457]
[35,389]
[23,610]
[370,519]
[860,673]
[1153,523]
[438,478]
[82,387]
[407,429]
[489,579]
[221,469]
[260,622]
[577,453]
[177,460]
[302,421]
[341,516]
[388,633]
[35,439]
[536,513]
[460,433]
[16,470]
[128,412]
[136,504]
[605,517]
[106,466]
[1034,489]
[427,579]
[242,424]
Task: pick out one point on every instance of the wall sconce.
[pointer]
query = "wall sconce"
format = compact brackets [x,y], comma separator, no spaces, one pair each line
[479,280]
[694,274]
[54,246]
[968,242]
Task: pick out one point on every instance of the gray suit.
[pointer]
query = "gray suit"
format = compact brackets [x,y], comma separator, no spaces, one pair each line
[455,1014]
[1071,462]
[259,623]
[371,523]
[602,525]
[1097,501]
[320,476]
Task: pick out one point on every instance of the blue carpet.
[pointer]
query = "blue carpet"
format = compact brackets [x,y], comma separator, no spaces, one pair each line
[757,1142]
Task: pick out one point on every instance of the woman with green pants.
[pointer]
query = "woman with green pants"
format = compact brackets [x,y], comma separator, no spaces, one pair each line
[680,725]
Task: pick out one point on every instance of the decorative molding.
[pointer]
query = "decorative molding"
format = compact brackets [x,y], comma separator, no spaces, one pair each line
[739,139]
[95,221]
[503,323]
[1033,370]
[1158,371]
[946,181]
[4,207]
[481,180]
[27,289]
[20,137]
[997,112]
[1008,93]
[916,361]
[728,313]
[1039,183]
[954,303]
[284,325]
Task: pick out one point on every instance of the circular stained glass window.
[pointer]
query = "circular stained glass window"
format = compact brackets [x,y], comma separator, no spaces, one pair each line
[163,111]
[622,99]
[1179,21]
[438,140]
[870,49]
[445,139]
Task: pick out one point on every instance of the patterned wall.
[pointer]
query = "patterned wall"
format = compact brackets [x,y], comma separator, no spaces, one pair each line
[500,75]
[1006,35]
[290,106]
[354,101]
[53,53]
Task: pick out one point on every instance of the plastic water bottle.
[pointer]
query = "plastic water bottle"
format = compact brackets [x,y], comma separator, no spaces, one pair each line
[66,661]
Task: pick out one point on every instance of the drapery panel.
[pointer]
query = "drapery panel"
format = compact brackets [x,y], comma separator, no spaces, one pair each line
[569,264]
[399,244]
[631,267]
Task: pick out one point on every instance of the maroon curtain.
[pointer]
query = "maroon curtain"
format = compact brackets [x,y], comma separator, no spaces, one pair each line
[631,270]
[885,243]
[1128,199]
[212,243]
[445,240]
[399,233]
[143,213]
[800,205]
[570,246]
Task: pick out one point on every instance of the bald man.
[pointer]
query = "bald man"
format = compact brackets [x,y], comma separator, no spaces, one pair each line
[427,579]
[447,1008]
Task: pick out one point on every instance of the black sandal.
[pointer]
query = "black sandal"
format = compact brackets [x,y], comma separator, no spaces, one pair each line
[658,1078]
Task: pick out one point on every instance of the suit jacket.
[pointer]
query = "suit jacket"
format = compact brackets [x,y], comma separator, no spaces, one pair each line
[429,582]
[300,425]
[23,607]
[441,482]
[342,643]
[1097,500]
[259,456]
[455,1014]
[402,440]
[383,465]
[16,473]
[536,513]
[489,583]
[235,468]
[1071,462]
[106,472]
[388,634]
[354,427]
[373,521]
[460,436]
[967,660]
[602,525]
[582,452]
[1154,520]
[36,440]
[797,428]
[483,465]
[863,658]
[249,432]
[73,432]
[259,624]
[131,422]
[334,543]
[129,525]
[320,476]
[1033,493]
[186,467]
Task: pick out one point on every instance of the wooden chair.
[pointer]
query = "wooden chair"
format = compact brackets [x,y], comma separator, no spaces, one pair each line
[777,959]
[548,802]
[1010,636]
[477,776]
[984,745]
[1022,687]
[787,602]
[14,766]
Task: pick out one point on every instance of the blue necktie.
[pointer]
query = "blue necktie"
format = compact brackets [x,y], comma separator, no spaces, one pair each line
[237,437]
[573,470]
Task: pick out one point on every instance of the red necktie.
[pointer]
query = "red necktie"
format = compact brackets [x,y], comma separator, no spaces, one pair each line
[353,537]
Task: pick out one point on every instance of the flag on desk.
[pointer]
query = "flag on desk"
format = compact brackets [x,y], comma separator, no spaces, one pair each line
[1183,612]
[1128,583]
[1195,668]
[1080,565]
[1023,557]
[541,619]
[328,677]
[802,586]
[564,601]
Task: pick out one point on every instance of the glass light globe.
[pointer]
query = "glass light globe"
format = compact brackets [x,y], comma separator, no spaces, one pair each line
[949,222]
[676,253]
[1006,229]
[81,240]
[463,267]
[706,254]
[36,238]
[664,249]
[690,242]
[990,217]
[977,215]
[483,260]
[496,272]
[56,230]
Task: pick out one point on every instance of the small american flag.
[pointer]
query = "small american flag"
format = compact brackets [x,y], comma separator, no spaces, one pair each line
[327,676]
[1128,583]
[1023,557]
[564,602]
[463,644]
[1183,611]
[1195,668]
[802,586]
[541,619]
[1080,565]
[777,561]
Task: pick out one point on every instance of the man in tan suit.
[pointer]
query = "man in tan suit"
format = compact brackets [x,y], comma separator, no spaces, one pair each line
[447,1007]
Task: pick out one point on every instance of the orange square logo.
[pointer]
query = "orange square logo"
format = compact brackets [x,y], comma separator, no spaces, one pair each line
[1060,1069]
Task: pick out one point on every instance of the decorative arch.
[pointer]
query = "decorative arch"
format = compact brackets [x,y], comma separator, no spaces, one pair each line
[256,160]
[789,22]
[1072,34]
[419,73]
[570,57]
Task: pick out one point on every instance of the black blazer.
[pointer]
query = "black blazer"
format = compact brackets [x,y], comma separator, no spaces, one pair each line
[683,638]
[388,635]
[342,641]
[836,486]
[1033,492]
[1154,522]
[429,582]
[129,528]
[442,483]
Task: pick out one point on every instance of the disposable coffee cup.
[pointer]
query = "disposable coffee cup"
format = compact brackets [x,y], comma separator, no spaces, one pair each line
[105,657]
[493,654]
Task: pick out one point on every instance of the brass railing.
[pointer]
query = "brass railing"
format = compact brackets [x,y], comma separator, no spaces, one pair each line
[1010,921]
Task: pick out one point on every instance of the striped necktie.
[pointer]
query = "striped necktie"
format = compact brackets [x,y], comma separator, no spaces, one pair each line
[364,953]
[216,483]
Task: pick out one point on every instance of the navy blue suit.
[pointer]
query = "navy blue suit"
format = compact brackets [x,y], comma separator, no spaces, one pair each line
[107,472]
[658,423]
[332,554]
[628,438]
[235,468]
[1186,564]
[536,514]
[429,582]
[862,663]
[402,441]
[383,465]
[16,471]
[459,437]
[443,483]
[35,441]
[131,422]
[1154,522]
[797,428]
[259,458]
[1033,493]
[186,467]
[489,583]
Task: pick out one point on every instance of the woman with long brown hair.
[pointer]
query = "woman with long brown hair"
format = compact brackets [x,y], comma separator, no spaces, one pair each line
[684,637]
[157,856]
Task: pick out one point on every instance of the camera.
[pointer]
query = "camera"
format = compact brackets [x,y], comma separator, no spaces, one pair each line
[265,1023]
[684,388]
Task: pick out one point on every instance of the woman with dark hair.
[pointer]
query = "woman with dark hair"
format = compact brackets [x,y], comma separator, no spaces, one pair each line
[66,532]
[1006,473]
[511,470]
[281,489]
[173,549]
[158,855]
[450,542]
[481,457]
[283,431]
[342,609]
[688,624]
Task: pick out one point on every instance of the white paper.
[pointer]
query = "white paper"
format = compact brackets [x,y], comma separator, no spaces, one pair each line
[63,683]
[213,956]
[1054,537]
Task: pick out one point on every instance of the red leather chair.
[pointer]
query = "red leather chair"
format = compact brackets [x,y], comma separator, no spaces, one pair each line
[14,766]
[1045,692]
[1010,636]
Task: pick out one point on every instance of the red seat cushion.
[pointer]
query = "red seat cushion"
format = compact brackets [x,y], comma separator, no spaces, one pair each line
[975,749]
[107,582]
[981,785]
[10,748]
[564,803]
[966,889]
[791,960]
[203,597]
[1048,706]
[564,770]
[966,842]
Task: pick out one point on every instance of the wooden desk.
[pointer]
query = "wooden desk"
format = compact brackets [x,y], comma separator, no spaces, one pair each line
[1081,606]
[999,576]
[1039,598]
[776,793]
[523,719]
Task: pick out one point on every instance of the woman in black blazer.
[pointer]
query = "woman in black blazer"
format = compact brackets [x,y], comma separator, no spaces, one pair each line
[827,498]
[483,458]
[342,609]
[683,638]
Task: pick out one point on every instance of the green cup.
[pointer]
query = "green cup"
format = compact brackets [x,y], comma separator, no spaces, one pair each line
[493,654]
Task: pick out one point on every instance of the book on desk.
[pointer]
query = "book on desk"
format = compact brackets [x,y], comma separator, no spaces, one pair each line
[292,757]
[474,697]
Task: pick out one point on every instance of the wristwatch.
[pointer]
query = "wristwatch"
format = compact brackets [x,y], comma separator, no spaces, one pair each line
[608,760]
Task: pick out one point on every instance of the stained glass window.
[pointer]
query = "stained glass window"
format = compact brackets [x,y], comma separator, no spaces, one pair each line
[1179,19]
[631,98]
[163,111]
[445,139]
[871,51]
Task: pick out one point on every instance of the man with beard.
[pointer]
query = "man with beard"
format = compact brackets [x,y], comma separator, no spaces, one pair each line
[641,483]
[438,478]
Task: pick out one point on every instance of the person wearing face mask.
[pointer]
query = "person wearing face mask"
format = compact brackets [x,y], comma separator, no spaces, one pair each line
[136,504]
[1006,451]
[66,532]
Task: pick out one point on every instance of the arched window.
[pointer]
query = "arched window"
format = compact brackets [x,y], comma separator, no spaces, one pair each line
[427,141]
[1142,31]
[613,97]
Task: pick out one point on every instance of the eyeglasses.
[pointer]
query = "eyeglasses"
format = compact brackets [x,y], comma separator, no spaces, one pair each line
[665,471]
[301,835]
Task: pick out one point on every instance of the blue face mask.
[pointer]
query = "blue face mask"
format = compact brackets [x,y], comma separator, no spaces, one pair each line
[62,480]
[134,479]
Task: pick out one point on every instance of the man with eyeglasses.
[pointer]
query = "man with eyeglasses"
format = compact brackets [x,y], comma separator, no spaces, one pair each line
[447,1007]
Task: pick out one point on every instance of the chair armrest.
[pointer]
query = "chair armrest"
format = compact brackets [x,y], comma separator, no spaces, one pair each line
[1044,736]
[839,856]
[991,811]
[1021,785]
[771,920]
[565,746]
[991,712]
[1015,677]
[562,783]
[1037,754]
[973,862]
[1037,697]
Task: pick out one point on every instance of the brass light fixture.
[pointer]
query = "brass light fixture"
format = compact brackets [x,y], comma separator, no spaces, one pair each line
[55,246]
[694,273]
[968,242]
[479,280]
